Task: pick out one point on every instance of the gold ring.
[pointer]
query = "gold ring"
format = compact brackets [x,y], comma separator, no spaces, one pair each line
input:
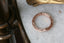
[45,14]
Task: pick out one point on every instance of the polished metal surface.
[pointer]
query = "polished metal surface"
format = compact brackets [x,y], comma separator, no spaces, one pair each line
[9,13]
[5,37]
[38,2]
[40,29]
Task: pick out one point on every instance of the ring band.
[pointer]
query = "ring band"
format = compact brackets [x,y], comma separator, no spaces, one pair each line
[45,29]
[5,37]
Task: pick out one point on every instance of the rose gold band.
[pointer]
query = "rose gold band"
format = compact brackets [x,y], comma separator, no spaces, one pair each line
[3,26]
[45,29]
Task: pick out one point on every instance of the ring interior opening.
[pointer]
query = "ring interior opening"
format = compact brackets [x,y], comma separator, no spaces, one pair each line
[42,22]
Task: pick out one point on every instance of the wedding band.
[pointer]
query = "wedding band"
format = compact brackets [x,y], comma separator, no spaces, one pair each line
[45,29]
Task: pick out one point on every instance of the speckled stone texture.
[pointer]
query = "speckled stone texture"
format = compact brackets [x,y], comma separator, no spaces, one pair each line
[55,35]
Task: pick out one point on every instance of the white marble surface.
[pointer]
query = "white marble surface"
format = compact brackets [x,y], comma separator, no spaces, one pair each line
[55,35]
